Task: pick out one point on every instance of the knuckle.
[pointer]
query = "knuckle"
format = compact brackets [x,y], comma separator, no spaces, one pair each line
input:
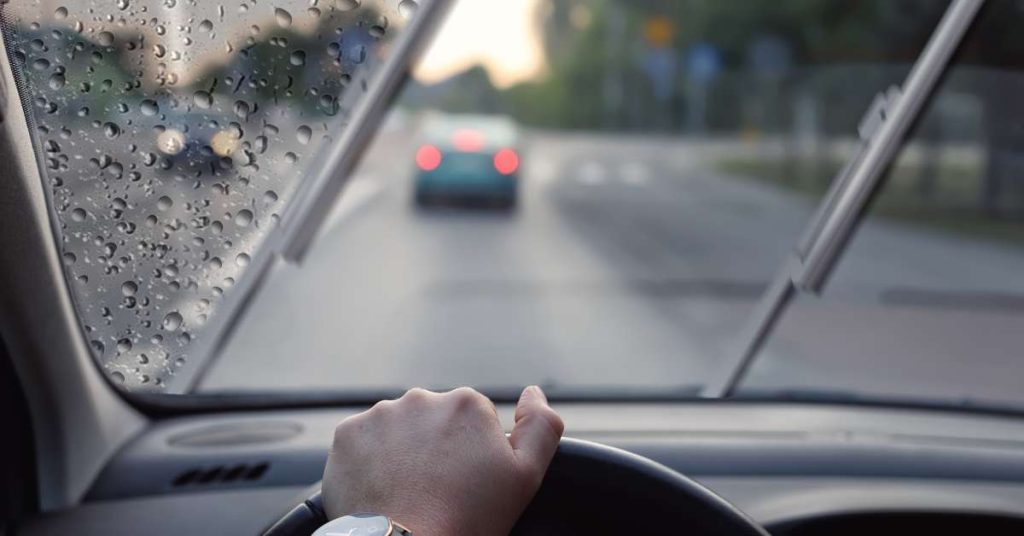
[346,429]
[463,394]
[468,398]
[551,419]
[554,420]
[380,409]
[416,394]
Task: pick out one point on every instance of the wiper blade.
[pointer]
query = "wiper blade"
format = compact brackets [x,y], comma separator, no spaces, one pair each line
[883,132]
[318,193]
[312,210]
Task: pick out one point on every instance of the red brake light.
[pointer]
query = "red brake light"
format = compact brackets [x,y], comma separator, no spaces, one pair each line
[428,158]
[506,161]
[468,140]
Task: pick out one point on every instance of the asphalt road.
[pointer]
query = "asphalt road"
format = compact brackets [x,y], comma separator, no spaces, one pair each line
[631,264]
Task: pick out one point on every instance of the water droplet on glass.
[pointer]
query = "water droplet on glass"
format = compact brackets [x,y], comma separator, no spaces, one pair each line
[105,39]
[57,81]
[242,259]
[206,26]
[304,133]
[224,143]
[347,5]
[164,203]
[117,376]
[170,142]
[124,345]
[149,107]
[407,8]
[260,144]
[298,58]
[60,13]
[41,64]
[79,214]
[172,321]
[243,218]
[284,19]
[202,99]
[111,130]
[242,109]
[129,288]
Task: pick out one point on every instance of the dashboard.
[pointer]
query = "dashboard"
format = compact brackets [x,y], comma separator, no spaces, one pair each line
[795,468]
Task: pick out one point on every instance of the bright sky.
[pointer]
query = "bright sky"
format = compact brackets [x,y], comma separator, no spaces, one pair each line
[501,35]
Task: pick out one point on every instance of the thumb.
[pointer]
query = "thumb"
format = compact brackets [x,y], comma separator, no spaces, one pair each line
[536,432]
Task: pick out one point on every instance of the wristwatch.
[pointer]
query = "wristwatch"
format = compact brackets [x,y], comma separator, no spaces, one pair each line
[362,525]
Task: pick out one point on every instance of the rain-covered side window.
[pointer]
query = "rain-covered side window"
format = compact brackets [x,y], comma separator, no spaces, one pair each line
[172,134]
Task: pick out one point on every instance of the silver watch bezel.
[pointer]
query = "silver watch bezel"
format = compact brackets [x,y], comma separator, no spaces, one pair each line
[393,528]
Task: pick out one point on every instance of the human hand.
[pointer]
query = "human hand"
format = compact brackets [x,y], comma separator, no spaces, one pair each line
[440,464]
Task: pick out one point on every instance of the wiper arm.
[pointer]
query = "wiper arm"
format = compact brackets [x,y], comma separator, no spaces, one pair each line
[883,132]
[317,194]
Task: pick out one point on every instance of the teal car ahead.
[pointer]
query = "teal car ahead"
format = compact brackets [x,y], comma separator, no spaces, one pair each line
[468,158]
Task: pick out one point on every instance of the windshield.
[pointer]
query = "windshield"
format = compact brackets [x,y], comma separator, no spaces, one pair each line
[173,136]
[592,196]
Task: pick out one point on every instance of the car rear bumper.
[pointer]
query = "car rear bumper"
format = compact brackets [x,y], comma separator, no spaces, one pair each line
[440,183]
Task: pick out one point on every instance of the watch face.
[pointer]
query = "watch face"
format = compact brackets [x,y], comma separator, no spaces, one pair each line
[356,525]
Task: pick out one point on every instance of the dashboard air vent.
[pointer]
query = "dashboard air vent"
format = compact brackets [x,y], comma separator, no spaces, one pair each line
[220,474]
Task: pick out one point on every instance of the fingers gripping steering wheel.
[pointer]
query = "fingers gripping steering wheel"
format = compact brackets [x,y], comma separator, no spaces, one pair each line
[595,489]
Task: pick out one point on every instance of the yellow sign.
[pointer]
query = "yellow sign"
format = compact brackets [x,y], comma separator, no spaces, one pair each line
[659,31]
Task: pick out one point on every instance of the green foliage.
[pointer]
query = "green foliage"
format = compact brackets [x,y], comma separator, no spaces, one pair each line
[596,77]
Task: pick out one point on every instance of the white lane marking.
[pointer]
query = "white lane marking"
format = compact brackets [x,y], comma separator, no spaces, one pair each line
[634,173]
[591,174]
[358,192]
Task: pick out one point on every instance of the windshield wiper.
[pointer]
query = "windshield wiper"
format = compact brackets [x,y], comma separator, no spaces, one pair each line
[883,132]
[318,193]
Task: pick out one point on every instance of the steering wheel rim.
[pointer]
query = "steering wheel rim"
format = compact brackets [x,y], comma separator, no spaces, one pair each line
[577,461]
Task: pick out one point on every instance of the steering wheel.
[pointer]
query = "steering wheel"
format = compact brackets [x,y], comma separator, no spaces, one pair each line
[595,489]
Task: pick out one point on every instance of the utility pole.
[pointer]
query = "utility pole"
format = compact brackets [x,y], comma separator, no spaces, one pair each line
[613,90]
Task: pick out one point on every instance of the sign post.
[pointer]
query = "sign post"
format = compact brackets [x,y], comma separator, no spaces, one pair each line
[703,63]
